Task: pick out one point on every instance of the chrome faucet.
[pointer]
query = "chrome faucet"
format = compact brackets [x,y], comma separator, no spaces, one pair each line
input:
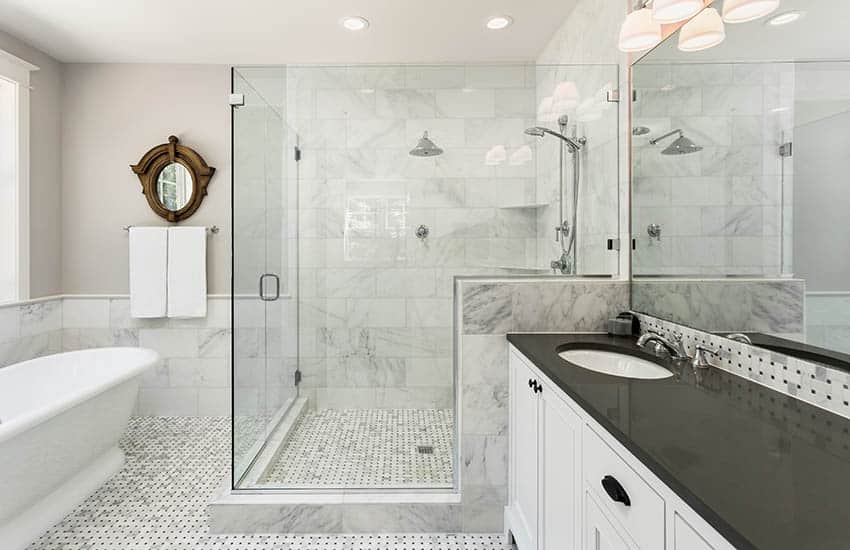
[700,361]
[564,264]
[740,337]
[675,347]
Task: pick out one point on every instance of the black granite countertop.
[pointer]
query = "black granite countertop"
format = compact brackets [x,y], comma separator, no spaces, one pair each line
[767,471]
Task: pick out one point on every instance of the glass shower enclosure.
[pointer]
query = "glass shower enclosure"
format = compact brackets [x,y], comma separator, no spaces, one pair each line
[349,228]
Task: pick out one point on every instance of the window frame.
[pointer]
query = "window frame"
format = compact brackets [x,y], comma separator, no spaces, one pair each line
[17,71]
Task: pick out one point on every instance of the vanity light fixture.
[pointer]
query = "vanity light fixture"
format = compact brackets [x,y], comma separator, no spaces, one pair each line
[673,11]
[784,18]
[499,22]
[743,11]
[639,32]
[704,31]
[354,23]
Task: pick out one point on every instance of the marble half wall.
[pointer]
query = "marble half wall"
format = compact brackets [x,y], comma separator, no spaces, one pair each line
[488,309]
[772,306]
[29,330]
[193,378]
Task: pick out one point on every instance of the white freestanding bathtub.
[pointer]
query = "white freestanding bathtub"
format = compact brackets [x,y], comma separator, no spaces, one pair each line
[61,417]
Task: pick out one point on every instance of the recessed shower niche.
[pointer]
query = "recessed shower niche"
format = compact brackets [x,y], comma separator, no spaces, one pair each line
[360,194]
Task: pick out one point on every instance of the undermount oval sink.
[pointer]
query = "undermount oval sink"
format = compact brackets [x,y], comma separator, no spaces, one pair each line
[615,364]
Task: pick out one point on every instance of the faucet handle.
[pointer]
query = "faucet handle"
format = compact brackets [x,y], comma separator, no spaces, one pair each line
[700,361]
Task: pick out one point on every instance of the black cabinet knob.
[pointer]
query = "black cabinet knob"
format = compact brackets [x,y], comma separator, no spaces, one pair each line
[538,388]
[615,490]
[531,383]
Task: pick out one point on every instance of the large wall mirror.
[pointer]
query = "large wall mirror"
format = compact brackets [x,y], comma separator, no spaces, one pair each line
[741,181]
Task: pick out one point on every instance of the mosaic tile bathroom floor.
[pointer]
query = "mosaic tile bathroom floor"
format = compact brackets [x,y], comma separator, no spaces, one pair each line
[158,501]
[367,448]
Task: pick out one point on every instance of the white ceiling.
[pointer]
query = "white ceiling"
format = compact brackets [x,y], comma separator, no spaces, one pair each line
[820,34]
[282,31]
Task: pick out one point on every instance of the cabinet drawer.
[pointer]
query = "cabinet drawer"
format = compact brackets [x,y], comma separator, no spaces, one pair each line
[643,518]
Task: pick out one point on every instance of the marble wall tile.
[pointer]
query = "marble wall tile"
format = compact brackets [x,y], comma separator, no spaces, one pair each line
[773,306]
[737,169]
[487,309]
[409,518]
[40,317]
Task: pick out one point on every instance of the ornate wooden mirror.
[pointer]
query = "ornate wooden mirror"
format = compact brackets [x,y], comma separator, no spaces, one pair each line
[174,179]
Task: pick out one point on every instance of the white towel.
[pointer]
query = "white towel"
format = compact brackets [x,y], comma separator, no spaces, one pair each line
[187,272]
[148,268]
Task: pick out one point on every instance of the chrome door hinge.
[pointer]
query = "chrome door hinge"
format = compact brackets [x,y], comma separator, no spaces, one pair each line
[612,96]
[297,377]
[297,154]
[236,100]
[613,244]
[786,149]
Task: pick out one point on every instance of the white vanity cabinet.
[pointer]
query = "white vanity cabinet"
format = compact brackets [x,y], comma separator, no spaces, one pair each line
[559,457]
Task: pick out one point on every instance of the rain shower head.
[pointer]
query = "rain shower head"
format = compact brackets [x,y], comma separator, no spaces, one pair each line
[680,146]
[426,148]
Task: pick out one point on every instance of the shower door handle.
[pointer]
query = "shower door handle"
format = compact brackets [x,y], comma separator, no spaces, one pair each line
[276,295]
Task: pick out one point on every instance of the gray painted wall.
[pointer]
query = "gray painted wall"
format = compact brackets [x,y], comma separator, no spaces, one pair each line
[114,113]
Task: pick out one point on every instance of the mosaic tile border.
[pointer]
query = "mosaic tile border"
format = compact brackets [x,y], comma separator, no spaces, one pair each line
[812,383]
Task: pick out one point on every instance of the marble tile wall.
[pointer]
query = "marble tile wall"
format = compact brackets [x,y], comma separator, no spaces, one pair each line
[828,320]
[570,46]
[193,378]
[29,330]
[773,306]
[375,326]
[720,209]
[488,310]
[593,117]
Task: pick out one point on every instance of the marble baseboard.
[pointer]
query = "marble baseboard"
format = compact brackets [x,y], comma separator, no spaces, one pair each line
[336,518]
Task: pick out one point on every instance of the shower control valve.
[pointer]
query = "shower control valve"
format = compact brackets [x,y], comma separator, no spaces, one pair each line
[422,232]
[654,231]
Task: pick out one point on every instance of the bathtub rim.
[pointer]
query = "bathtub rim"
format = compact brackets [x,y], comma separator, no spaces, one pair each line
[147,359]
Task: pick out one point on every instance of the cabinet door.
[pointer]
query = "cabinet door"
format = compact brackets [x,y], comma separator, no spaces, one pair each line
[686,537]
[524,411]
[599,531]
[560,474]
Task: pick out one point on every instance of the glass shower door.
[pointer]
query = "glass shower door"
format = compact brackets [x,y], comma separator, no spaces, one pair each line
[264,280]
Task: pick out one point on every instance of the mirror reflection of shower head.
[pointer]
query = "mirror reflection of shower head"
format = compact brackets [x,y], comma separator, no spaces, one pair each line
[540,131]
[680,146]
[426,148]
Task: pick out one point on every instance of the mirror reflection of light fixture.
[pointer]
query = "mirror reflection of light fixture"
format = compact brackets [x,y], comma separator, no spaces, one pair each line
[521,156]
[704,31]
[496,155]
[639,31]
[785,18]
[565,97]
[743,11]
[546,110]
[673,11]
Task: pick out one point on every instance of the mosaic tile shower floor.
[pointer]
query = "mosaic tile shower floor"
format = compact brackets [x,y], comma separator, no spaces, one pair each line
[158,501]
[373,448]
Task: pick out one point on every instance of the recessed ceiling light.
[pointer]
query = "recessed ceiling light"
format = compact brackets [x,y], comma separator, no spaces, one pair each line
[499,22]
[784,18]
[354,23]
